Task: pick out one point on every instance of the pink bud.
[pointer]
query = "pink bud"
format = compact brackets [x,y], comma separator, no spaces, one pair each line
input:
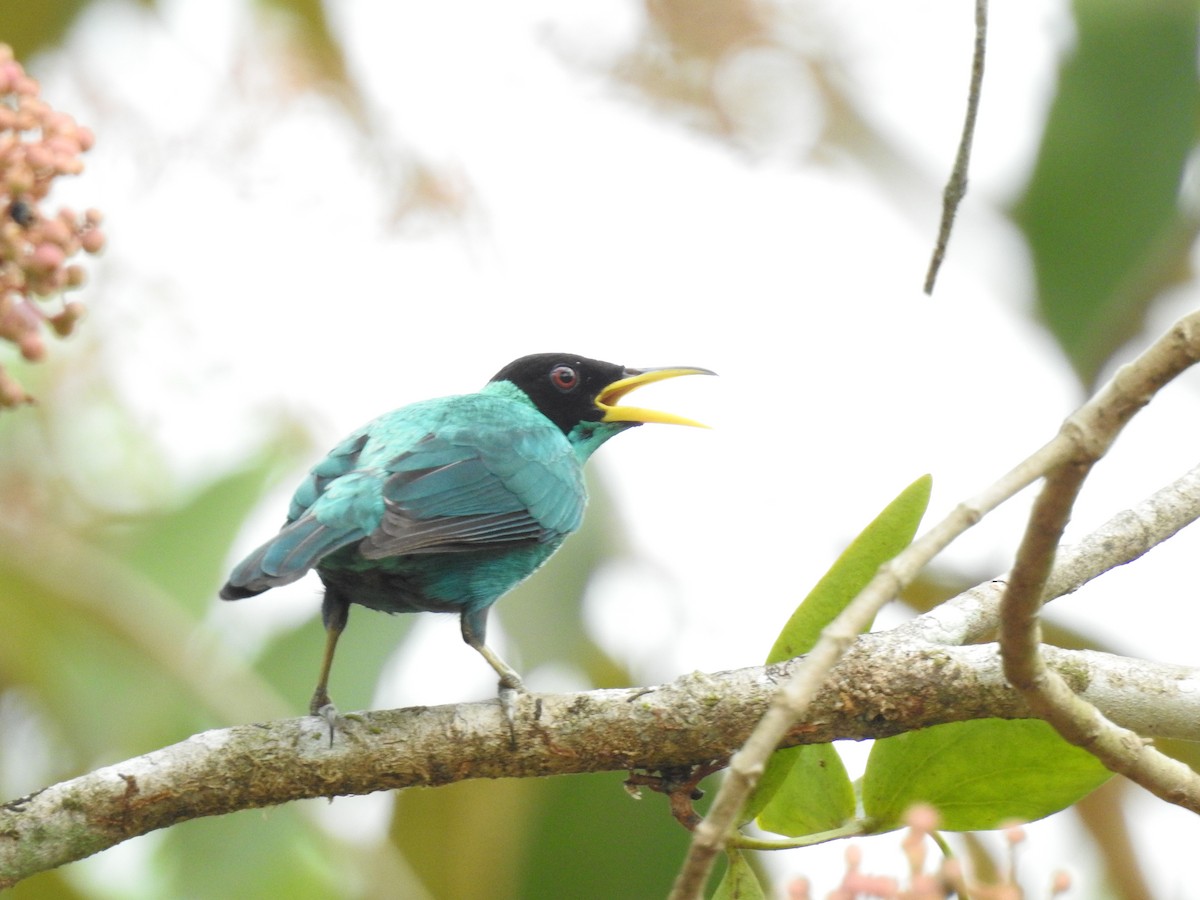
[56,231]
[10,74]
[11,392]
[922,817]
[46,257]
[92,240]
[43,158]
[19,178]
[33,348]
[75,276]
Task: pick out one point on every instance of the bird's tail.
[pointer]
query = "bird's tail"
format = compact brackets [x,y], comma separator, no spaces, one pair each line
[285,558]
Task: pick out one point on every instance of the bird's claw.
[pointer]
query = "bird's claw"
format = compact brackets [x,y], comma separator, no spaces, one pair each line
[329,713]
[509,695]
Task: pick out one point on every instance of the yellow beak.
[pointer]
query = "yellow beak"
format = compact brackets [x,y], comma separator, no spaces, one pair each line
[635,378]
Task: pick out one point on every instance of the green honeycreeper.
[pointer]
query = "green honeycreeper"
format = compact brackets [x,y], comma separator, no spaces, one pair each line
[447,504]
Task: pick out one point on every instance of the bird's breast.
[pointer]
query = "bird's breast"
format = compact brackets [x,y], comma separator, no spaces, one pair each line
[441,582]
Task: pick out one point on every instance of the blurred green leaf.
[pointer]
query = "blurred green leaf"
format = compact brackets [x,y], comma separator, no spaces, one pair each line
[184,550]
[805,789]
[260,854]
[581,836]
[739,881]
[979,775]
[32,27]
[110,679]
[466,840]
[588,834]
[1100,212]
[50,885]
[291,660]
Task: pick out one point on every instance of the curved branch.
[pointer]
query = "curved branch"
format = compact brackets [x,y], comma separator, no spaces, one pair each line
[1097,425]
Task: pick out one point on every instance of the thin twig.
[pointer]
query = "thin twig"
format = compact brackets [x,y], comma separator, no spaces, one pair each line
[956,186]
[974,614]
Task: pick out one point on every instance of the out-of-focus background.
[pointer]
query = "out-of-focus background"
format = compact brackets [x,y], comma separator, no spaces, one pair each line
[318,212]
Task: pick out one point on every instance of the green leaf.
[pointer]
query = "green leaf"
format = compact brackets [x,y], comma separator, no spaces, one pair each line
[979,775]
[1100,213]
[892,531]
[805,789]
[739,882]
[808,789]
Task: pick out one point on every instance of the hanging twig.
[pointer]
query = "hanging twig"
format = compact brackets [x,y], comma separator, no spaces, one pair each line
[956,187]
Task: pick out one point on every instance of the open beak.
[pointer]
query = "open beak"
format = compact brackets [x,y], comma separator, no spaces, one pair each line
[635,378]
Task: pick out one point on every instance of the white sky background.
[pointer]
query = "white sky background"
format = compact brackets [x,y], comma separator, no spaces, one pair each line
[252,268]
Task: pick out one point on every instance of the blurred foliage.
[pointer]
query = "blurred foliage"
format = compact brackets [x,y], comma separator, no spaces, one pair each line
[30,28]
[107,651]
[1102,213]
[537,838]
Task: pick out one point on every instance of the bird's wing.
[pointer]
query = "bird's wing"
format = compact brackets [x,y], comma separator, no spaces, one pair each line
[334,507]
[469,489]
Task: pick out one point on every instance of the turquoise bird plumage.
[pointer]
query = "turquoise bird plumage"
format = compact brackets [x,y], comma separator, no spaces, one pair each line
[447,504]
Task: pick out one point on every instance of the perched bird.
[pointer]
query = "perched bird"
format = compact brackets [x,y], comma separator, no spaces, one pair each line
[445,505]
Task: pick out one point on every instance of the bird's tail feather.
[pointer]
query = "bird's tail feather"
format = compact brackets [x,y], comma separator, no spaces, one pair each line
[285,558]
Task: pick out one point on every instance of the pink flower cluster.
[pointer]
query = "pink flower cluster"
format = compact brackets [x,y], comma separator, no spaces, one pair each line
[37,145]
[947,879]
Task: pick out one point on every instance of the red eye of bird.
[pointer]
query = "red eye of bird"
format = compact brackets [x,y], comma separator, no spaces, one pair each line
[564,378]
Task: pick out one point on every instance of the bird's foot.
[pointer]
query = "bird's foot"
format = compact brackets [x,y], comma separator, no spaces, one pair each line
[328,712]
[511,690]
[511,681]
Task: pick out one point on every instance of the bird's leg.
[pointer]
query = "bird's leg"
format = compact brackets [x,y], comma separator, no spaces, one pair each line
[335,611]
[474,628]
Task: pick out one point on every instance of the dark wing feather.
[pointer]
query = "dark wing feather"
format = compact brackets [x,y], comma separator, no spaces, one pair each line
[462,491]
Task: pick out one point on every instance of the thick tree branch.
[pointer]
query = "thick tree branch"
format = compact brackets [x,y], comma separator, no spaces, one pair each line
[886,685]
